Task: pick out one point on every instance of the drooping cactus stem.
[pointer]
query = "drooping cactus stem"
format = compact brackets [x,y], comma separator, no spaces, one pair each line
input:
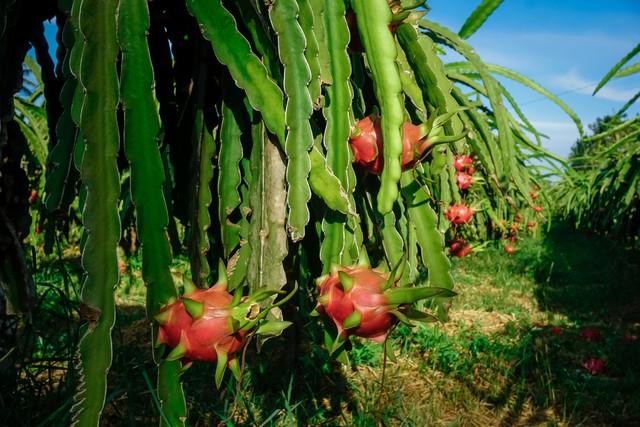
[411,295]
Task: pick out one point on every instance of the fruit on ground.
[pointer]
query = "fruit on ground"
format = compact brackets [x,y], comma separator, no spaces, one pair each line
[459,248]
[510,249]
[459,214]
[464,180]
[201,326]
[367,144]
[463,163]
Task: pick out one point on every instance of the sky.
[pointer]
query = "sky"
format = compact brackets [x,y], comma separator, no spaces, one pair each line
[565,45]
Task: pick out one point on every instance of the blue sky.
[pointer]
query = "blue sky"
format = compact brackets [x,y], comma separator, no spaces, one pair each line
[565,45]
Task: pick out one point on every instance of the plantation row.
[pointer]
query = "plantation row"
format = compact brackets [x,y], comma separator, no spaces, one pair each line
[283,147]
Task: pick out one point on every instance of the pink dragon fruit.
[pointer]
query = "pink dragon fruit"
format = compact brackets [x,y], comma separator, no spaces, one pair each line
[459,214]
[464,180]
[364,302]
[459,248]
[463,163]
[367,144]
[211,325]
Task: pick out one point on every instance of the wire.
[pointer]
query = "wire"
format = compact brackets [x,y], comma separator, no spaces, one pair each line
[544,98]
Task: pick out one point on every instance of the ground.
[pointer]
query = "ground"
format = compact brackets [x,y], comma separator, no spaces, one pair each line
[547,336]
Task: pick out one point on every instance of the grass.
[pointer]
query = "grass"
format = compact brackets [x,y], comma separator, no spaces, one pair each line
[512,353]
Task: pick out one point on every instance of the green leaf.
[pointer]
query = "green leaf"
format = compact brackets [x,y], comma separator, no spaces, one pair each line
[231,48]
[478,17]
[98,121]
[140,138]
[299,139]
[374,17]
[612,72]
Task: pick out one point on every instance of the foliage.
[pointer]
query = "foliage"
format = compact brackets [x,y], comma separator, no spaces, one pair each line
[242,153]
[601,189]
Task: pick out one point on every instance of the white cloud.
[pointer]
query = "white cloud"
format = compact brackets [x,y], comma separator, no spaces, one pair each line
[574,82]
[562,135]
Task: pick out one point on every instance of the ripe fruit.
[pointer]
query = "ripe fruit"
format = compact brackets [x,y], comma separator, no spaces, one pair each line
[459,248]
[201,326]
[211,325]
[510,249]
[531,225]
[459,214]
[367,144]
[537,208]
[464,180]
[594,365]
[591,334]
[534,195]
[33,197]
[364,302]
[463,163]
[518,218]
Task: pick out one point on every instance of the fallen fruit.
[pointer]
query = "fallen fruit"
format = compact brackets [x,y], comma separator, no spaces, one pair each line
[594,365]
[591,334]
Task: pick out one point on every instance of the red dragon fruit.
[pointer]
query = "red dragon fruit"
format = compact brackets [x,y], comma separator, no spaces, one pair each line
[463,163]
[509,249]
[364,302]
[367,144]
[537,208]
[464,180]
[459,214]
[211,325]
[459,248]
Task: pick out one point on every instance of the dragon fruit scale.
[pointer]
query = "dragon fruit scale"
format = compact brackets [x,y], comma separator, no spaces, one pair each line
[364,302]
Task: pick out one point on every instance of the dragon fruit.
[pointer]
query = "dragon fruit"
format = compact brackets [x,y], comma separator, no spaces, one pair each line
[464,180]
[459,248]
[509,249]
[459,214]
[367,144]
[365,302]
[537,209]
[463,163]
[211,325]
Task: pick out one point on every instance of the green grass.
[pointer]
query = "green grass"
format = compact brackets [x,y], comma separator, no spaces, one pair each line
[497,362]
